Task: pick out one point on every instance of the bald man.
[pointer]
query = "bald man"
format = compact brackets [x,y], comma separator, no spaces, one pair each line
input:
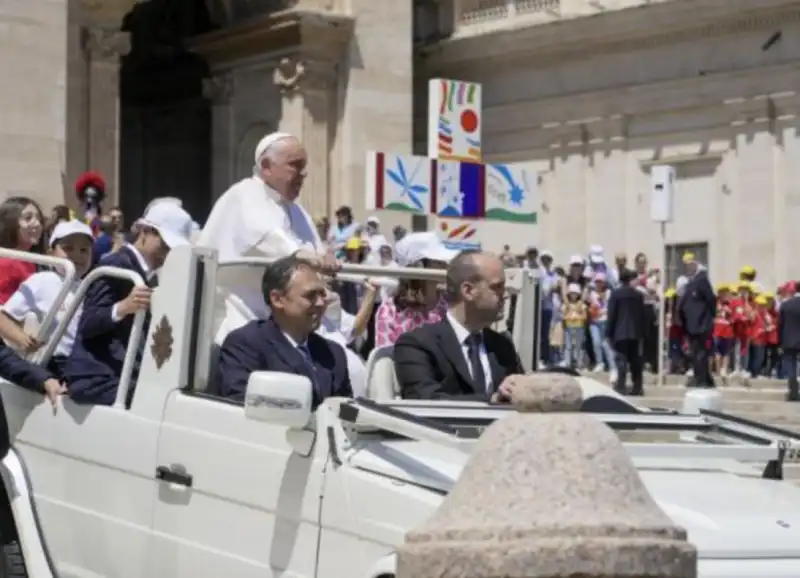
[260,217]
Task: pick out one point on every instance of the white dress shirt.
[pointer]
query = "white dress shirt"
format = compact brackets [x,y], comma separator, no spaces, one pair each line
[462,334]
[251,220]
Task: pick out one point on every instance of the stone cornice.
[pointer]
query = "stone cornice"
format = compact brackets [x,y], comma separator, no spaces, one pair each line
[648,99]
[312,35]
[645,26]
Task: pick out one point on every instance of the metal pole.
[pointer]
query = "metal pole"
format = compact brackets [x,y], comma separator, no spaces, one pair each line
[661,308]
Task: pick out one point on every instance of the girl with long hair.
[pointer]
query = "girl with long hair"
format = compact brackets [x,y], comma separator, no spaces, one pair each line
[21,228]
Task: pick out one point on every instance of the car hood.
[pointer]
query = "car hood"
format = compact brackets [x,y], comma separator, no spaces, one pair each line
[727,515]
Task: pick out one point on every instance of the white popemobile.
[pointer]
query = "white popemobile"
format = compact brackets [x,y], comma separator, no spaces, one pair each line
[185,485]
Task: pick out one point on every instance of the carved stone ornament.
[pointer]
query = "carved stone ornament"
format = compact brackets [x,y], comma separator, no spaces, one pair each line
[106,44]
[218,89]
[161,349]
[288,74]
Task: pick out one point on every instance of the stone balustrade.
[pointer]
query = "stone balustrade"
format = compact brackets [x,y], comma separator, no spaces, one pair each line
[549,492]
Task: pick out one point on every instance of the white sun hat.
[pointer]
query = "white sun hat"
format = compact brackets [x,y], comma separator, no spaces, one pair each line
[415,247]
[171,222]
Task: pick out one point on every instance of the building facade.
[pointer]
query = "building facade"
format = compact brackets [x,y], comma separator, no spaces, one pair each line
[594,92]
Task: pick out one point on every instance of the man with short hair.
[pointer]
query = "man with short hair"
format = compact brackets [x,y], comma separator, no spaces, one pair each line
[789,340]
[94,366]
[625,330]
[260,217]
[460,357]
[287,341]
[697,310]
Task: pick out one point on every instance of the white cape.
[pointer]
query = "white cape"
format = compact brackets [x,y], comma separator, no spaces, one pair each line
[249,220]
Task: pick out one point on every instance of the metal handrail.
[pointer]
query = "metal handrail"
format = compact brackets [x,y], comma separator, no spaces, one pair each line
[47,261]
[136,330]
[351,269]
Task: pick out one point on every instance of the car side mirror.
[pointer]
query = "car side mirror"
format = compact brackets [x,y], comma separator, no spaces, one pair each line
[279,398]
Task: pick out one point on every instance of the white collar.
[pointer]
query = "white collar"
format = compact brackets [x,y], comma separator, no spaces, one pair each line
[462,334]
[294,343]
[140,258]
[271,193]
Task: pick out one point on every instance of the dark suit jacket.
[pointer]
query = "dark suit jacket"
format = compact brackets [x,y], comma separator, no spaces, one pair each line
[697,306]
[20,371]
[627,315]
[261,346]
[789,324]
[430,363]
[93,368]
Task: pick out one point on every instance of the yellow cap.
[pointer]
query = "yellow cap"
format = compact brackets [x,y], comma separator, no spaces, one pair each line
[744,285]
[688,257]
[760,300]
[670,293]
[353,244]
[768,295]
[723,287]
[747,270]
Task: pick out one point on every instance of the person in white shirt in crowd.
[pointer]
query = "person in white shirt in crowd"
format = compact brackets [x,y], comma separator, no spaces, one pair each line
[260,216]
[374,239]
[38,293]
[341,232]
[596,264]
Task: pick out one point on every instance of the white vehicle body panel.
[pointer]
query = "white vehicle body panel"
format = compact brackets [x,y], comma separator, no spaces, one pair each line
[256,506]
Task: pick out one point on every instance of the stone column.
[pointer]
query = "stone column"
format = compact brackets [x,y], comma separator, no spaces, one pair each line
[307,89]
[548,492]
[219,91]
[104,47]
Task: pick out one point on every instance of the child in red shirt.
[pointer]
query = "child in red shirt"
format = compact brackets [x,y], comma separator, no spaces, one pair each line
[723,329]
[743,315]
[675,333]
[760,327]
[21,228]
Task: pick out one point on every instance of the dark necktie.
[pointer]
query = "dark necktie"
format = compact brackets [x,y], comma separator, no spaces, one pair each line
[474,353]
[305,352]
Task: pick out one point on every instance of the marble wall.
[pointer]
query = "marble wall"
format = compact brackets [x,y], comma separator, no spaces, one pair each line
[716,106]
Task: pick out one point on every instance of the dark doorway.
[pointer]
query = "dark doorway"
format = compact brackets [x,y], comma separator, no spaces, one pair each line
[165,140]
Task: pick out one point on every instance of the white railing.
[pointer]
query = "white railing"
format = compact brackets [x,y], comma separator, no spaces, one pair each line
[471,13]
[136,330]
[67,269]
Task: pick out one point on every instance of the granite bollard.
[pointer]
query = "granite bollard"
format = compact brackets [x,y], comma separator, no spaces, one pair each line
[548,493]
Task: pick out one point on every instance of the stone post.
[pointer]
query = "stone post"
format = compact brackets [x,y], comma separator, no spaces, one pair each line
[219,91]
[548,493]
[308,95]
[104,47]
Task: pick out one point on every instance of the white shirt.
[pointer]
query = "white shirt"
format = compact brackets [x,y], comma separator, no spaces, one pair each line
[251,220]
[463,335]
[36,296]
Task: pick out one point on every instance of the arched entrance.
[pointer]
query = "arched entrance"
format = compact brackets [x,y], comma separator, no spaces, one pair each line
[165,139]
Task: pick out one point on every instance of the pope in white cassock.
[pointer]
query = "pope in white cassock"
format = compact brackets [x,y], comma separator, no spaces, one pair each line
[260,217]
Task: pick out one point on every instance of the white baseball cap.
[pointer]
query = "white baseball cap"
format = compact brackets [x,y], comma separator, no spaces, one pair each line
[67,228]
[267,142]
[576,260]
[373,220]
[171,222]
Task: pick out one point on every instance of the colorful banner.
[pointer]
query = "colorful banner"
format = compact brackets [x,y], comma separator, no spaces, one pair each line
[454,120]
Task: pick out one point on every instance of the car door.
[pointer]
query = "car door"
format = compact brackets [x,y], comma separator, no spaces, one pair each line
[91,475]
[235,500]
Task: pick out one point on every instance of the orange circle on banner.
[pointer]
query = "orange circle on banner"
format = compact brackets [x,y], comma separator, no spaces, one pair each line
[469,121]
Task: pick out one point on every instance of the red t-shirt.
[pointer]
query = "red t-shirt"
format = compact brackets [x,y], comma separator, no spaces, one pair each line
[723,324]
[759,328]
[12,274]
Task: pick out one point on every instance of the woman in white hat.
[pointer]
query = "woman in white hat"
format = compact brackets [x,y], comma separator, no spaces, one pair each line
[415,303]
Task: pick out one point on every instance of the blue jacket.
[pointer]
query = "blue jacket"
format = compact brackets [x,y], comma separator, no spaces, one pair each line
[261,346]
[93,369]
[21,372]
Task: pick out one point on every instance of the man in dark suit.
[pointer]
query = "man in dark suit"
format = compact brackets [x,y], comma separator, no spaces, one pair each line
[94,367]
[460,358]
[789,339]
[697,308]
[287,341]
[625,329]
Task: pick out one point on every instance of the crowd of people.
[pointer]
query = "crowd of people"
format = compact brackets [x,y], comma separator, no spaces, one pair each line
[299,317]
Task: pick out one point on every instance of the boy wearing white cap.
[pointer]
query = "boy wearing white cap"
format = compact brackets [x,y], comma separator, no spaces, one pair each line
[37,295]
[94,366]
[260,217]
